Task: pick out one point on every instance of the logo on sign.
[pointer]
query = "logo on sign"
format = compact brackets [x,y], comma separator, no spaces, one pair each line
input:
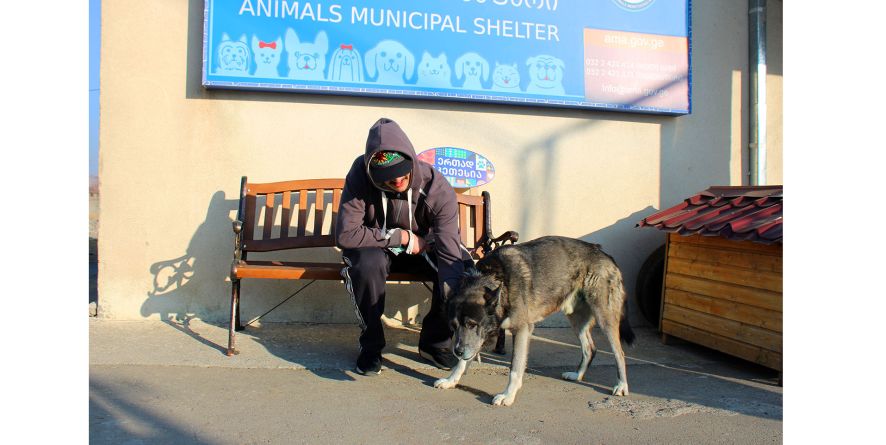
[634,5]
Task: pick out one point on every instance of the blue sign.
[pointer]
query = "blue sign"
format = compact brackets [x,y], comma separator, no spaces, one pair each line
[462,168]
[628,55]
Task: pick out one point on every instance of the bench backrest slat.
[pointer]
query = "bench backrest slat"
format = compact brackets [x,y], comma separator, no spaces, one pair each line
[286,214]
[302,212]
[269,216]
[336,200]
[249,215]
[470,209]
[319,207]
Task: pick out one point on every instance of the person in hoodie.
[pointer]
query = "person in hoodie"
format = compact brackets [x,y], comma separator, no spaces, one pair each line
[398,215]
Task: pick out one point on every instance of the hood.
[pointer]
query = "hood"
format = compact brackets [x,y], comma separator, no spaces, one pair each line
[386,135]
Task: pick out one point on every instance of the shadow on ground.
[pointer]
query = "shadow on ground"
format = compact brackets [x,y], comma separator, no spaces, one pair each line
[683,377]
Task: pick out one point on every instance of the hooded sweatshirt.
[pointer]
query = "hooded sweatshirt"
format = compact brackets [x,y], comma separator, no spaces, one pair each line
[363,220]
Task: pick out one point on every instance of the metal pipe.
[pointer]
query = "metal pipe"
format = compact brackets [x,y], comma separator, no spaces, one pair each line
[757,68]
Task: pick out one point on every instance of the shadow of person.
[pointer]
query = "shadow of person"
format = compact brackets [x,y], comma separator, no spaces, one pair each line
[180,285]
[196,285]
[330,350]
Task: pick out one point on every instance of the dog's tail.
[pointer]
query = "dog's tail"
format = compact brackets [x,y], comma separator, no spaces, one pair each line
[625,331]
[624,328]
[616,289]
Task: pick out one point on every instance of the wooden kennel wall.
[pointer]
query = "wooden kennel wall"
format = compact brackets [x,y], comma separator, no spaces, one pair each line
[726,295]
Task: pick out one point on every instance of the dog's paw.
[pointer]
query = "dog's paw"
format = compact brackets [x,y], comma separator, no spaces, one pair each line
[502,399]
[621,389]
[445,384]
[571,376]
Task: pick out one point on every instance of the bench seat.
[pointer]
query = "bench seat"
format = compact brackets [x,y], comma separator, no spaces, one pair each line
[288,270]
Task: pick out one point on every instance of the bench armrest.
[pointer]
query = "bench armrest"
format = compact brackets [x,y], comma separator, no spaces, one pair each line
[238,244]
[510,235]
[487,244]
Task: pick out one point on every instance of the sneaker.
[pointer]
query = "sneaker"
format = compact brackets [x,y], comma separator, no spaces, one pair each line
[368,363]
[442,358]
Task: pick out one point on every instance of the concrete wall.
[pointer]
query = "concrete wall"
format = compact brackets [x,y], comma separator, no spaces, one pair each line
[172,154]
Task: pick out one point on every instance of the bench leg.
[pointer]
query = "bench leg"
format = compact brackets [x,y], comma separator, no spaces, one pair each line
[236,296]
[235,316]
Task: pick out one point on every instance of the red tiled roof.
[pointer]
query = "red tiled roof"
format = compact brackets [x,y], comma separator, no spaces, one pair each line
[736,213]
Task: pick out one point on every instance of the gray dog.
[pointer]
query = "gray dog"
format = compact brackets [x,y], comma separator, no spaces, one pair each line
[517,286]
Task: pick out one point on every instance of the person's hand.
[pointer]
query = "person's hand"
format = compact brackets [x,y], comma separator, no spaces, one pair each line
[404,238]
[419,245]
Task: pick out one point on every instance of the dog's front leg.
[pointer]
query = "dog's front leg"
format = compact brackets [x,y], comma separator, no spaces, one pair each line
[454,377]
[518,366]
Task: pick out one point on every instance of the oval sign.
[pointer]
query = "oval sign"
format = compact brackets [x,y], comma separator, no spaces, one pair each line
[462,168]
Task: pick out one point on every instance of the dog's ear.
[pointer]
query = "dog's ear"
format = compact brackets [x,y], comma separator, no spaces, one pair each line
[358,65]
[254,43]
[470,272]
[491,265]
[458,66]
[492,296]
[410,65]
[485,65]
[322,42]
[291,39]
[370,61]
[334,63]
[448,291]
[243,38]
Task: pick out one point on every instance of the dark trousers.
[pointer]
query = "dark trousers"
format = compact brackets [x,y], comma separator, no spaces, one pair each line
[365,276]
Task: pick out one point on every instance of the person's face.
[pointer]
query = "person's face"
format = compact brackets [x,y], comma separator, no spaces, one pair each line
[399,184]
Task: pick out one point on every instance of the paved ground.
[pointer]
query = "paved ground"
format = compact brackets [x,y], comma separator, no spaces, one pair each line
[169,382]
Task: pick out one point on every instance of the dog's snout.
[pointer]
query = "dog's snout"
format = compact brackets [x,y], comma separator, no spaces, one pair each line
[459,349]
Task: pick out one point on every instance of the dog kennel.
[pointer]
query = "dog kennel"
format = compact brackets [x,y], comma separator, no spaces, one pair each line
[722,285]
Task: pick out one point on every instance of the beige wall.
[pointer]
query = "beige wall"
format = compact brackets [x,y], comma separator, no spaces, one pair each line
[774,121]
[172,154]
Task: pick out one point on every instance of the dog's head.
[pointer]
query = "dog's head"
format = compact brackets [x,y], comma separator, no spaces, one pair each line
[346,55]
[391,61]
[434,69]
[472,312]
[307,60]
[267,54]
[471,65]
[545,71]
[233,55]
[506,76]
[346,64]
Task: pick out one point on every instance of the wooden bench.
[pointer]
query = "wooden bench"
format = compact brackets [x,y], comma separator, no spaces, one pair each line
[257,216]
